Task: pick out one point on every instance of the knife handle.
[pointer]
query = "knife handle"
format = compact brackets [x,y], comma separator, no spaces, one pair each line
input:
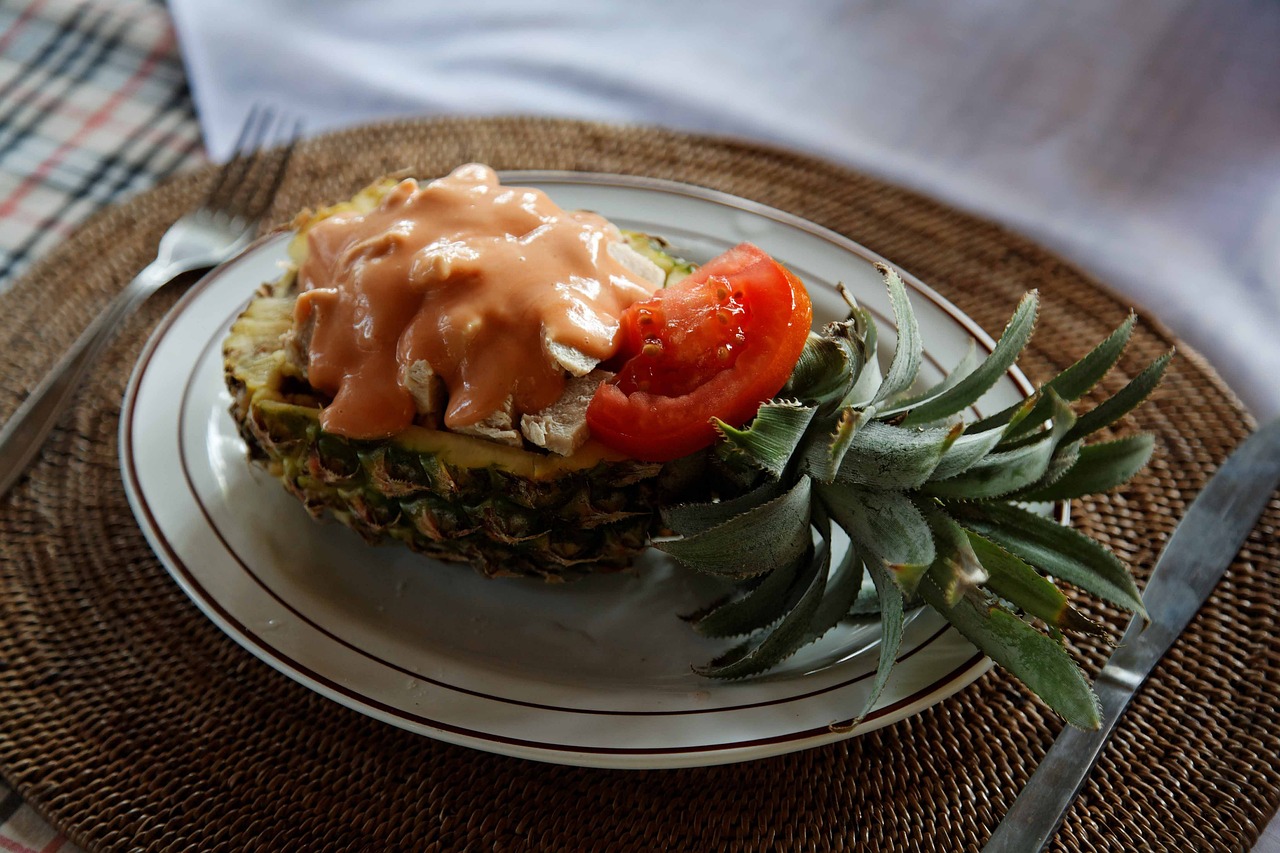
[1039,809]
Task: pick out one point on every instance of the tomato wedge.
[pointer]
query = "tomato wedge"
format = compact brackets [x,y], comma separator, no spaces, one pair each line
[715,345]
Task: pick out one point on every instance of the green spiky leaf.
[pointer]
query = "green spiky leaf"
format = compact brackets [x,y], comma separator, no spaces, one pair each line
[843,589]
[888,457]
[956,570]
[1001,473]
[1056,550]
[905,365]
[824,372]
[1076,380]
[782,641]
[965,452]
[759,540]
[862,339]
[771,439]
[1122,402]
[866,603]
[765,604]
[1018,583]
[827,452]
[1096,469]
[886,525]
[1064,457]
[692,518]
[963,368]
[843,582]
[967,391]
[892,620]
[1039,661]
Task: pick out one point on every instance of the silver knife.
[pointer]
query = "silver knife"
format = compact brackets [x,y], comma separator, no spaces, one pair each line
[1193,561]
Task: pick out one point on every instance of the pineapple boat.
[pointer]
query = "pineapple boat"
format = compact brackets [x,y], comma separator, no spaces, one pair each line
[471,370]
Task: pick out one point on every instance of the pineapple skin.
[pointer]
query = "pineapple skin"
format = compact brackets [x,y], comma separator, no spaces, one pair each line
[506,511]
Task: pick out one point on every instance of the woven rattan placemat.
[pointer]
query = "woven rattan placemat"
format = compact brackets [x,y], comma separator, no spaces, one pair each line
[130,721]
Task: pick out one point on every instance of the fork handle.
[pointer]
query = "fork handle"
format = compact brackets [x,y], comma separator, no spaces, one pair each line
[25,432]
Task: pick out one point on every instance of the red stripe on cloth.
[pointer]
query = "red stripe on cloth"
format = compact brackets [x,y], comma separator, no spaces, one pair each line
[93,122]
[23,19]
[10,844]
[56,844]
[52,103]
[40,219]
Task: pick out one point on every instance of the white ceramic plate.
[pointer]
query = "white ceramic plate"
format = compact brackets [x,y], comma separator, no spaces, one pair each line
[592,673]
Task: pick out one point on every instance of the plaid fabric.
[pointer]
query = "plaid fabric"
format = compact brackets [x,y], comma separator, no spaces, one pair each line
[24,831]
[94,107]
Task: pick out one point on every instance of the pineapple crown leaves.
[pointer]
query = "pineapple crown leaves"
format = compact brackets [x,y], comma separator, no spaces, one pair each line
[934,507]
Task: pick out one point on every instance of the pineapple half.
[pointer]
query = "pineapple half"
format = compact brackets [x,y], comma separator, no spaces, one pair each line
[508,511]
[455,497]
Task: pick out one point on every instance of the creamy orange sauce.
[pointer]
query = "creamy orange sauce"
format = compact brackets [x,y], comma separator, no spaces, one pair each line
[475,278]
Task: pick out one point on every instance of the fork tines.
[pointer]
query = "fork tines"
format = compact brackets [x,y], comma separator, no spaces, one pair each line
[246,184]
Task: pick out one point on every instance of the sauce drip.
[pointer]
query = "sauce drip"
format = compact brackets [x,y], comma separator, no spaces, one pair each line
[475,278]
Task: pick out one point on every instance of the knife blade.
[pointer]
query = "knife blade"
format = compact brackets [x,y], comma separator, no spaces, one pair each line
[1193,561]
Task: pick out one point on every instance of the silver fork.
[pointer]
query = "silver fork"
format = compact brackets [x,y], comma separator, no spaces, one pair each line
[219,229]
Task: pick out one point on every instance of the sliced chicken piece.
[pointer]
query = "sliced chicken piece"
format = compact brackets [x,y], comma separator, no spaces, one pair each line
[562,426]
[575,361]
[499,427]
[637,264]
[578,363]
[425,386]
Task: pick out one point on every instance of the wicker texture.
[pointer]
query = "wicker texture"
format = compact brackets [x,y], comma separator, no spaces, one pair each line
[130,721]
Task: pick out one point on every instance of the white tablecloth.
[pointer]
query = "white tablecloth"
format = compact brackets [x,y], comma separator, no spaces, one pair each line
[1141,140]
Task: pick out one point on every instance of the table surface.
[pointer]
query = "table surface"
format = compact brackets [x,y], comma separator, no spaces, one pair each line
[94,107]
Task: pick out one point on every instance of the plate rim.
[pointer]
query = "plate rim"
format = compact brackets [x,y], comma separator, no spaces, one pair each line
[617,757]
